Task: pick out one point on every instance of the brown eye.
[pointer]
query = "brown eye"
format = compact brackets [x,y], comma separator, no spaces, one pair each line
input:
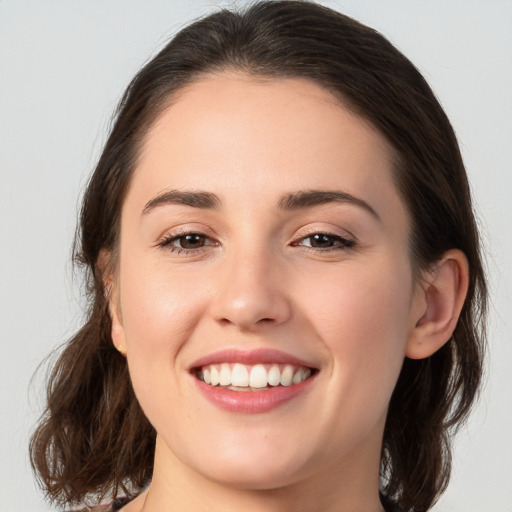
[325,241]
[186,242]
[322,241]
[192,241]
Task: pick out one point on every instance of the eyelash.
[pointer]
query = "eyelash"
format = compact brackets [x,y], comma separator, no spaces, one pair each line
[167,242]
[339,243]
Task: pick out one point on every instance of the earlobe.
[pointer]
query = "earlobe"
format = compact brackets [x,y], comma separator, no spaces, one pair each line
[441,295]
[112,297]
[117,332]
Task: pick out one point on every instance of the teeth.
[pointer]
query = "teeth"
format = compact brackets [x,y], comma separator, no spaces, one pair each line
[239,376]
[274,375]
[287,376]
[258,377]
[214,375]
[225,375]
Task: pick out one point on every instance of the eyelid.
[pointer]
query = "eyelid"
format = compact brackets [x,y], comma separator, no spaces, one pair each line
[341,242]
[165,241]
[184,229]
[309,230]
[346,239]
[344,243]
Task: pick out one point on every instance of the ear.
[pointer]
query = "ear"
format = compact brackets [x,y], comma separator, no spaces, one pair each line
[111,290]
[439,298]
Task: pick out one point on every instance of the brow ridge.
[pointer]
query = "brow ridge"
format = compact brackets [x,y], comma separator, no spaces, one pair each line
[193,198]
[292,201]
[310,198]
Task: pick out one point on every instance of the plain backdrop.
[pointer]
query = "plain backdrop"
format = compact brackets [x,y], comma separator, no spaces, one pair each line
[63,67]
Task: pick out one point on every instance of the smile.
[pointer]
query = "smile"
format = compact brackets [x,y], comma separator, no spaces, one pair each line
[258,377]
[255,381]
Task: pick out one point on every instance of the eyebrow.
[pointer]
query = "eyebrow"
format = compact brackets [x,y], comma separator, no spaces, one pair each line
[195,199]
[309,198]
[292,201]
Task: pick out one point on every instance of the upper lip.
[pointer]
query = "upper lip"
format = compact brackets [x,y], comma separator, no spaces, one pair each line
[250,357]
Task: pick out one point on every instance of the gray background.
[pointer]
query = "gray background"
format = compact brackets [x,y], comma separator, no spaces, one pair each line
[64,65]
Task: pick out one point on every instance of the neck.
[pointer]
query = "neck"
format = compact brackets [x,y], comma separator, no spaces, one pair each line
[177,487]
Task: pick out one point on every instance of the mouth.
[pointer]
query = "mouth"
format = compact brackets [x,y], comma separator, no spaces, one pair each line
[257,377]
[252,381]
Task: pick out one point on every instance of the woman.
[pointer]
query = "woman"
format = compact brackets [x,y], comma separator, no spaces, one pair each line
[280,245]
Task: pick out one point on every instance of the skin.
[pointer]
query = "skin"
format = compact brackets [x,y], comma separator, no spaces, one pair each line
[353,311]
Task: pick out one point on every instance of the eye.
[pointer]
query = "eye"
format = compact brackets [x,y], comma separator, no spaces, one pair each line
[325,241]
[186,242]
[191,241]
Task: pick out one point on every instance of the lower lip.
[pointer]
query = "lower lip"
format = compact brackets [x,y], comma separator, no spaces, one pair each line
[252,402]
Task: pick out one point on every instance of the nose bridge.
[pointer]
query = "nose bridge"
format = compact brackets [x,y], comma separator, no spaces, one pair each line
[250,289]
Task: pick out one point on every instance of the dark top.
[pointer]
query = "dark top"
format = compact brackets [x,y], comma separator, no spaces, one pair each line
[111,507]
[389,506]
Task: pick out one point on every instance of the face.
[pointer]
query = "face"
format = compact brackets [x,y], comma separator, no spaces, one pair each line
[264,245]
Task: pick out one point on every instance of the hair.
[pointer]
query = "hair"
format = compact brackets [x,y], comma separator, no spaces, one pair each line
[93,439]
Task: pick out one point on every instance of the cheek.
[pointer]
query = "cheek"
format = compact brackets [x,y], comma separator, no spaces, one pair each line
[362,315]
[160,310]
[159,307]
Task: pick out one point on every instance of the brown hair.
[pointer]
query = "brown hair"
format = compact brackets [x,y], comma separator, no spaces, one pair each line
[93,438]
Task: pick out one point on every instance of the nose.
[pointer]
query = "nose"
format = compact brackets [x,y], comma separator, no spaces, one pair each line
[251,292]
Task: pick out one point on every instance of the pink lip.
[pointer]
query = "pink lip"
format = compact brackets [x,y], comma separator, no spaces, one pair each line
[252,401]
[250,357]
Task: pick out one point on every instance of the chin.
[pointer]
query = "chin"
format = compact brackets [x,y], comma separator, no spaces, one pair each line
[258,466]
[256,476]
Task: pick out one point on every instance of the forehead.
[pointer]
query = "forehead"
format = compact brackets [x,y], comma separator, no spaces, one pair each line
[249,111]
[241,137]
